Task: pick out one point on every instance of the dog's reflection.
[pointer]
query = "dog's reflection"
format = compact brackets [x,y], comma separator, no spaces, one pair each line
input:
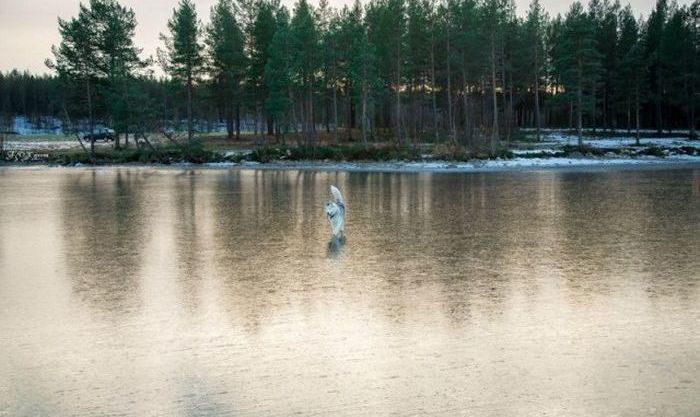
[335,246]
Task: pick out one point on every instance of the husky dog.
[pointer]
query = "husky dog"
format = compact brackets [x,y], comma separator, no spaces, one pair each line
[335,210]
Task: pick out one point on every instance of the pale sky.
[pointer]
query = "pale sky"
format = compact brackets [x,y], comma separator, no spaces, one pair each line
[28,28]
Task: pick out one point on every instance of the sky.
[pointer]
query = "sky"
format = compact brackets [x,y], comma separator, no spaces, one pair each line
[28,28]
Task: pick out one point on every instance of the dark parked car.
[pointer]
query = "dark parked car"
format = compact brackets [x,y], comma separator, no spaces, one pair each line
[103,133]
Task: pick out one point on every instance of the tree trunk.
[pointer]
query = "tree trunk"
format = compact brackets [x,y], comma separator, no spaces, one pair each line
[432,92]
[636,110]
[465,102]
[538,125]
[312,124]
[128,114]
[571,115]
[229,120]
[256,121]
[270,124]
[335,108]
[494,126]
[658,105]
[190,129]
[398,92]
[579,108]
[510,106]
[484,104]
[504,84]
[351,117]
[295,121]
[414,110]
[629,116]
[449,89]
[605,109]
[692,119]
[91,119]
[691,116]
[238,121]
[593,110]
[365,124]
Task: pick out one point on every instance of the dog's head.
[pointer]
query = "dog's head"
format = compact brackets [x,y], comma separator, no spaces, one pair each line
[332,209]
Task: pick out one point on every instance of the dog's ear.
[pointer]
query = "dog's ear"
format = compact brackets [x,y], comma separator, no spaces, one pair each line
[337,195]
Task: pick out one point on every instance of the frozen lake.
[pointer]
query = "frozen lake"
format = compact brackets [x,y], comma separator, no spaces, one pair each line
[167,292]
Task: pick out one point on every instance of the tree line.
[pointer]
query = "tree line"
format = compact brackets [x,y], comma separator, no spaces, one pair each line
[469,72]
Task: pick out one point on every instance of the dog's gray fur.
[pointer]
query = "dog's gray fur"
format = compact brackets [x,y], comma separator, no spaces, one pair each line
[335,211]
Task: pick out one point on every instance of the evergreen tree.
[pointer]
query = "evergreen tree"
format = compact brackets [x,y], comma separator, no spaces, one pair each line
[305,61]
[386,22]
[76,58]
[118,60]
[631,78]
[227,60]
[472,56]
[447,31]
[493,17]
[468,68]
[261,33]
[578,61]
[362,69]
[603,16]
[536,25]
[328,53]
[335,52]
[512,57]
[417,59]
[183,58]
[278,75]
[652,41]
[678,54]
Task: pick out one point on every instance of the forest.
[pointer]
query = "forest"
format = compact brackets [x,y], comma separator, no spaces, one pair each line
[472,73]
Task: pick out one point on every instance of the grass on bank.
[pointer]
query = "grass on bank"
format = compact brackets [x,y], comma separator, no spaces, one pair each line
[201,152]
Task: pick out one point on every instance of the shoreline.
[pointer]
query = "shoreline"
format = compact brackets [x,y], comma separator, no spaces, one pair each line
[496,165]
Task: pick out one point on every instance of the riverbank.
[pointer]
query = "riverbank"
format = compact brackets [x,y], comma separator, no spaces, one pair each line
[516,164]
[557,150]
[512,165]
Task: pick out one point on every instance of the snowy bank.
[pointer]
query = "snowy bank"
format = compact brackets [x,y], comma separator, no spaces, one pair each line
[515,164]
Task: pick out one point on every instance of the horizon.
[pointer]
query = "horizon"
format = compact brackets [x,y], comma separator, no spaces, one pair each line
[25,47]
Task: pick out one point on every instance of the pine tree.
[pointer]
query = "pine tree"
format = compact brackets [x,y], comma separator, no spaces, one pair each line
[335,53]
[410,67]
[76,58]
[493,17]
[679,57]
[305,61]
[324,15]
[603,16]
[227,60]
[362,69]
[578,62]
[183,58]
[631,78]
[261,33]
[472,56]
[511,62]
[118,60]
[652,41]
[447,31]
[417,58]
[278,75]
[536,24]
[386,22]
